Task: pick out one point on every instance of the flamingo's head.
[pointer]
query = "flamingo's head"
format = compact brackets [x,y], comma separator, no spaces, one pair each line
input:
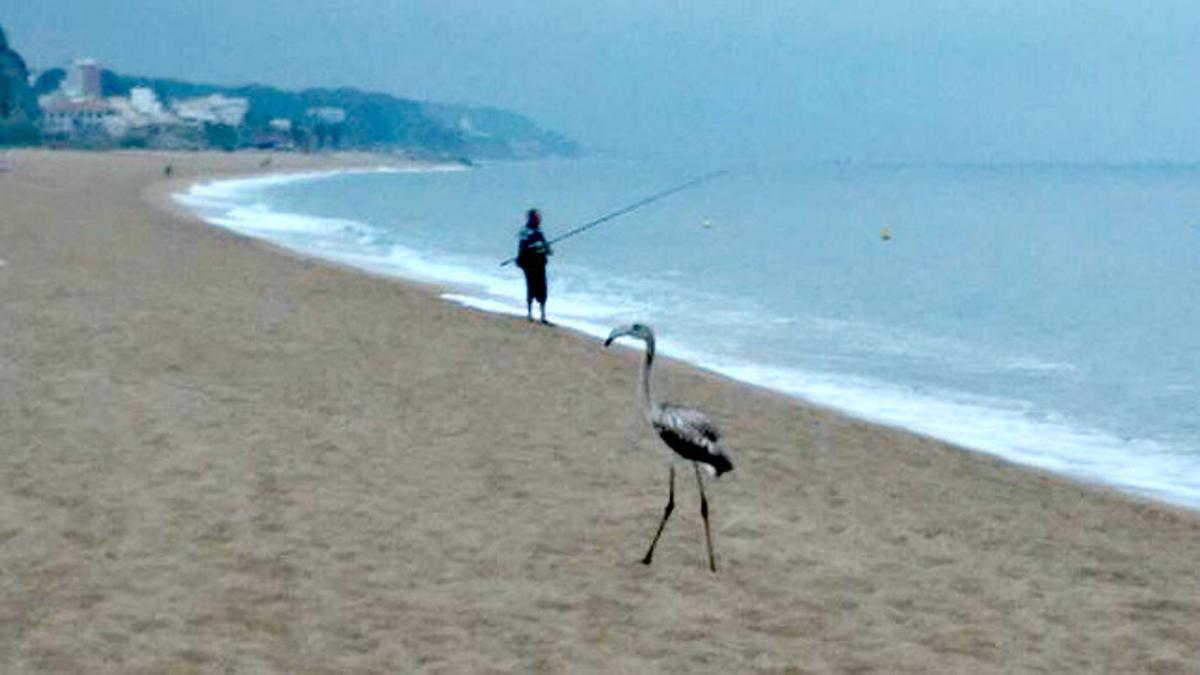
[638,331]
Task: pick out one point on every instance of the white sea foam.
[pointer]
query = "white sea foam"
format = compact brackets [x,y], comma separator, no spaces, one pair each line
[229,191]
[567,319]
[259,219]
[1008,428]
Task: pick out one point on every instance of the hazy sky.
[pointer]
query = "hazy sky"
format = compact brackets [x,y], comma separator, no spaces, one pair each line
[843,79]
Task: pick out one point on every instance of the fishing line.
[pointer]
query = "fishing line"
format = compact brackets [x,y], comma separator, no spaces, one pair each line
[632,207]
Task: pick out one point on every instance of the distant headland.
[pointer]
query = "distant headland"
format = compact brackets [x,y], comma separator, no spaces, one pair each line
[85,105]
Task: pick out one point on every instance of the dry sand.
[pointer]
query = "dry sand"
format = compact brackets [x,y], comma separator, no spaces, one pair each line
[217,458]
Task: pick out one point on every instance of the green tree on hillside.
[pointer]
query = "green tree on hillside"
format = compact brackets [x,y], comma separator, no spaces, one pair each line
[18,107]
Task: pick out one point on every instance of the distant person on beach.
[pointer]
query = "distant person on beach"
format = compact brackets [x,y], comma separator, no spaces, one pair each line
[532,253]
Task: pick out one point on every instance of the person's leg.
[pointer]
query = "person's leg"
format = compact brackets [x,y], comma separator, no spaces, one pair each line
[537,288]
[528,296]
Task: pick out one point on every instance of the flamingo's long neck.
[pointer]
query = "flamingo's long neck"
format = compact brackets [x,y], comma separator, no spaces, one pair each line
[647,402]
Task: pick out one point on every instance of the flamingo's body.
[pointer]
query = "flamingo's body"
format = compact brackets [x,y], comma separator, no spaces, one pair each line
[687,431]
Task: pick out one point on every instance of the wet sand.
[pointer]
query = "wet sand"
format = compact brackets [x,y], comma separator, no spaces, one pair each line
[218,458]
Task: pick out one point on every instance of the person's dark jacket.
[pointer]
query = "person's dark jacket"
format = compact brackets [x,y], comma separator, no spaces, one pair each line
[532,249]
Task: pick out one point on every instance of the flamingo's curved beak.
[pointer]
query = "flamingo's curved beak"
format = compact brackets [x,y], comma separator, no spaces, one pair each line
[617,333]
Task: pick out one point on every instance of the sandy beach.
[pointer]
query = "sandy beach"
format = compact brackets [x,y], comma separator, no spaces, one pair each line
[215,457]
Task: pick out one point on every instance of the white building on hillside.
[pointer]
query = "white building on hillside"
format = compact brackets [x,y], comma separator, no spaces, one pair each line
[142,109]
[213,109]
[328,115]
[63,117]
[83,79]
[145,102]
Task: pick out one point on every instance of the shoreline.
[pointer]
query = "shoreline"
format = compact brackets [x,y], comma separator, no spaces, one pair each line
[219,457]
[1097,462]
[165,196]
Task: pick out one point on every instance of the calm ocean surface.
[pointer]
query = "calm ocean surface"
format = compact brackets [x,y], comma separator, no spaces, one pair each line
[1045,314]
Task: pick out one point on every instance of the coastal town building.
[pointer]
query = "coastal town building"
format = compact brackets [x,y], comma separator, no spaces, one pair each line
[65,118]
[76,109]
[83,79]
[145,102]
[213,109]
[328,115]
[140,110]
[327,123]
[279,134]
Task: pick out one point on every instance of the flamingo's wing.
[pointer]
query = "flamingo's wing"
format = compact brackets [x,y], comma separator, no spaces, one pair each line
[692,436]
[688,423]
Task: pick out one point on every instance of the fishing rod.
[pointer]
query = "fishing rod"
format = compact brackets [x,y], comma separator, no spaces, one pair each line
[632,207]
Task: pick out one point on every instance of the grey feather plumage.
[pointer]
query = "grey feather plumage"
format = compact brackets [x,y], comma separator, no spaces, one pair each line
[690,422]
[691,435]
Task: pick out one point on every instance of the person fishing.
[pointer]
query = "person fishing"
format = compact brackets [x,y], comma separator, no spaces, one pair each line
[533,248]
[532,253]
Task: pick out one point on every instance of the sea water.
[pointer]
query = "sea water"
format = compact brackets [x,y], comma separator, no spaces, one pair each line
[1047,314]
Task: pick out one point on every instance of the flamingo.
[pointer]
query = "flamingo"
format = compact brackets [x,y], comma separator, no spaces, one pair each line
[687,431]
